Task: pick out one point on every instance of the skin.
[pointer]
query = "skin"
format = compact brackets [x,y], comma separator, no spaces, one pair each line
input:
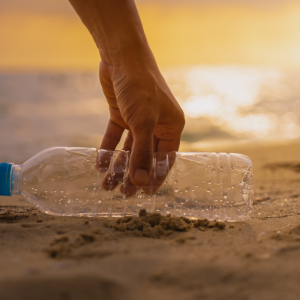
[139,99]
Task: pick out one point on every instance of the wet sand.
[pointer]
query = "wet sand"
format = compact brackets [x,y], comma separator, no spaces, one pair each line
[45,257]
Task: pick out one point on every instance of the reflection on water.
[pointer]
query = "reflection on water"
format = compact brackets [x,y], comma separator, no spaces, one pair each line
[238,102]
[221,104]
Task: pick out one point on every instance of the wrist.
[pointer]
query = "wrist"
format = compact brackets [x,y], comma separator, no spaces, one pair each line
[120,51]
[116,28]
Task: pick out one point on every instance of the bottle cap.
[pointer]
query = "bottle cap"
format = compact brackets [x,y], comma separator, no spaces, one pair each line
[5,174]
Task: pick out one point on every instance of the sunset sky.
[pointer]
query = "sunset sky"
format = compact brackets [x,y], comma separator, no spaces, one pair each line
[48,35]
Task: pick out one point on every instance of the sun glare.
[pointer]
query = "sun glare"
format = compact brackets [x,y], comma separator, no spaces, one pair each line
[245,102]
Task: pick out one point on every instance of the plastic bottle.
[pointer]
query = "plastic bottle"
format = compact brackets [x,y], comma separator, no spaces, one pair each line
[89,182]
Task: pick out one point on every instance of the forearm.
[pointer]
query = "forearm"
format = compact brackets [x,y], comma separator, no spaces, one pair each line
[116,28]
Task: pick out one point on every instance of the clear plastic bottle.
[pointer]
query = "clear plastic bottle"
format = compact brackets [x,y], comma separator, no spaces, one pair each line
[89,182]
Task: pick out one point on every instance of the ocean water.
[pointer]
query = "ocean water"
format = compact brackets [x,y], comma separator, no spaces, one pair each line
[224,104]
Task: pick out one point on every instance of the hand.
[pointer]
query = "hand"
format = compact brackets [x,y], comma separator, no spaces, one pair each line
[140,101]
[138,96]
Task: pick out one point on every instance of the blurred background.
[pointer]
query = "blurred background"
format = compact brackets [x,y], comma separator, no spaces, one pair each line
[234,66]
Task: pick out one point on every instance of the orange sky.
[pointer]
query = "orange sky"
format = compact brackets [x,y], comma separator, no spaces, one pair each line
[179,34]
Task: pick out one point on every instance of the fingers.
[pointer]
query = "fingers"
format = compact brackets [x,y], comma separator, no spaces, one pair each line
[170,147]
[159,173]
[156,168]
[112,136]
[115,173]
[110,141]
[118,167]
[128,188]
[142,154]
[162,164]
[128,142]
[155,143]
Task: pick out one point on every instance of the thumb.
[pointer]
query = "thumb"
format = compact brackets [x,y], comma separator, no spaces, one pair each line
[140,164]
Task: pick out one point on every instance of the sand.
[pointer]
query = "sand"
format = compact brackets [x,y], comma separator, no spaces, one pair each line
[46,257]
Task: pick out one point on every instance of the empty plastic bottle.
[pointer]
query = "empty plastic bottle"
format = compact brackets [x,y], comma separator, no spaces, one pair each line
[89,182]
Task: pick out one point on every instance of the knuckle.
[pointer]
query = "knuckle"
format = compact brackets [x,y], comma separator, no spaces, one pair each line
[182,123]
[144,125]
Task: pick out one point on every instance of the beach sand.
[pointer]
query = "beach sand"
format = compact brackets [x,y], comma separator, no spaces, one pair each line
[46,257]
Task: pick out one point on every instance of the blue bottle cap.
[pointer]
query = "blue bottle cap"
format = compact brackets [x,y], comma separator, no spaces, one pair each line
[5,174]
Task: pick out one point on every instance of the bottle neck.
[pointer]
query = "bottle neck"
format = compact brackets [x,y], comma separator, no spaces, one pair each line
[15,180]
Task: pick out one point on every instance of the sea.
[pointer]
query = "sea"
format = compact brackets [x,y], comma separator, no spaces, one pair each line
[222,104]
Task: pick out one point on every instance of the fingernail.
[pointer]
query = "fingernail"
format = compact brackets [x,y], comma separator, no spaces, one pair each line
[140,177]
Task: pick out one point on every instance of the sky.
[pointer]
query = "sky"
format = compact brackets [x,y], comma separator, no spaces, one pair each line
[48,35]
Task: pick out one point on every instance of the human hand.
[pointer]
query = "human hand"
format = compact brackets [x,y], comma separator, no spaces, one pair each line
[140,101]
[138,96]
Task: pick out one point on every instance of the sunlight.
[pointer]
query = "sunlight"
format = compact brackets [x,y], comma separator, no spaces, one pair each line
[179,33]
[241,101]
